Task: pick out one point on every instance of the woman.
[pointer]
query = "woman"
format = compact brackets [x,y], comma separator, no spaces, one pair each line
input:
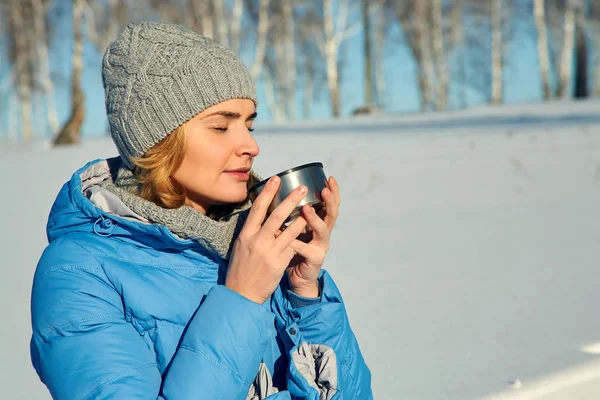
[160,280]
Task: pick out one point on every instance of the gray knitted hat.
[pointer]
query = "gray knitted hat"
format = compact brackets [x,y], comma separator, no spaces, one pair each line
[158,76]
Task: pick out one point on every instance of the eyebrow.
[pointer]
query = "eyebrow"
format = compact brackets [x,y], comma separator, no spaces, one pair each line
[233,115]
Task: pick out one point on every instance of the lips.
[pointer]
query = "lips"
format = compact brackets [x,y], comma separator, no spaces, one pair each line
[240,174]
[239,170]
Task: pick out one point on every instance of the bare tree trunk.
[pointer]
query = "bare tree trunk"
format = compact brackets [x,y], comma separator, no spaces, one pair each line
[112,17]
[334,88]
[439,54]
[581,50]
[21,68]
[331,48]
[539,10]
[368,60]
[236,25]
[204,14]
[71,132]
[427,74]
[39,13]
[566,61]
[411,29]
[262,32]
[593,24]
[329,42]
[289,58]
[380,86]
[222,35]
[497,52]
[457,38]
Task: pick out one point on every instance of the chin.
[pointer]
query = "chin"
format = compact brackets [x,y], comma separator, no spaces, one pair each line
[234,195]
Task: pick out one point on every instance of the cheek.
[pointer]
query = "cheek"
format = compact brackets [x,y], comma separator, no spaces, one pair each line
[198,154]
[203,160]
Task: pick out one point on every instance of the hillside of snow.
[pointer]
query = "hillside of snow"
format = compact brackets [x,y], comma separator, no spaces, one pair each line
[467,248]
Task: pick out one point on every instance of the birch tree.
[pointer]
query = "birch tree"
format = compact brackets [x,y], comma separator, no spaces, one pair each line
[368,58]
[281,60]
[262,32]
[21,67]
[381,28]
[439,54]
[71,131]
[236,25]
[26,38]
[457,41]
[309,58]
[539,11]
[497,52]
[491,25]
[373,47]
[414,20]
[422,19]
[593,23]
[274,58]
[335,28]
[104,20]
[566,59]
[41,38]
[581,56]
[198,16]
[561,16]
[289,57]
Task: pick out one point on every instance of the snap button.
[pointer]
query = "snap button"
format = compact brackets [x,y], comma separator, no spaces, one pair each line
[292,331]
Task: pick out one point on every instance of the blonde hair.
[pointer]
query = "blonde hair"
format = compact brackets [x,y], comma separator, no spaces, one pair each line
[154,171]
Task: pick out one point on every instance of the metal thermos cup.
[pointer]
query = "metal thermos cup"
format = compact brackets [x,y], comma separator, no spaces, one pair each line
[310,175]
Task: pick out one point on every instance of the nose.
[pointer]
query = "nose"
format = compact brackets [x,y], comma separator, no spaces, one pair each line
[247,146]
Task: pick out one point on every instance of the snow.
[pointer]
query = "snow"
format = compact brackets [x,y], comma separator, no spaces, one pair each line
[466,249]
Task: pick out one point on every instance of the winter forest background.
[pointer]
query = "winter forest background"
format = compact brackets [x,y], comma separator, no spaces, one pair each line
[311,59]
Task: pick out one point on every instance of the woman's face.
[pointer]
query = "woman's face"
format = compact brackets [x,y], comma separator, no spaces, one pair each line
[220,151]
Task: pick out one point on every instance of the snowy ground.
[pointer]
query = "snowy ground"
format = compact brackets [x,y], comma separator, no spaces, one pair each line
[467,248]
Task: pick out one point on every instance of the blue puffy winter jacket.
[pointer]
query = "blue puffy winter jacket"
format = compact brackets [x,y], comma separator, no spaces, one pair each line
[123,309]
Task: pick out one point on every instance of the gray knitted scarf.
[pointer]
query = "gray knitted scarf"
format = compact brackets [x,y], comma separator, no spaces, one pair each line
[216,233]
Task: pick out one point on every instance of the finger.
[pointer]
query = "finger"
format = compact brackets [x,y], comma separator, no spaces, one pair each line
[331,207]
[335,189]
[258,212]
[283,211]
[305,250]
[289,235]
[319,227]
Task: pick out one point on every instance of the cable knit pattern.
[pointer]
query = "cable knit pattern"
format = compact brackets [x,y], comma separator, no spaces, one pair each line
[157,76]
[216,234]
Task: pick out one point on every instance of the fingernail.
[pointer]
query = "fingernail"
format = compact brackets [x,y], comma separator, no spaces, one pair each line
[302,189]
[274,181]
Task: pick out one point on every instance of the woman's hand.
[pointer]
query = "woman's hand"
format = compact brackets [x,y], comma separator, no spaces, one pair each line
[303,271]
[259,258]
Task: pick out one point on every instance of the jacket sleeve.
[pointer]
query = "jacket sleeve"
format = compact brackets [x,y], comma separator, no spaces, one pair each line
[325,358]
[83,347]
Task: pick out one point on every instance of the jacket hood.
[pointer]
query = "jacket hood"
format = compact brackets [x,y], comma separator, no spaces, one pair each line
[84,206]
